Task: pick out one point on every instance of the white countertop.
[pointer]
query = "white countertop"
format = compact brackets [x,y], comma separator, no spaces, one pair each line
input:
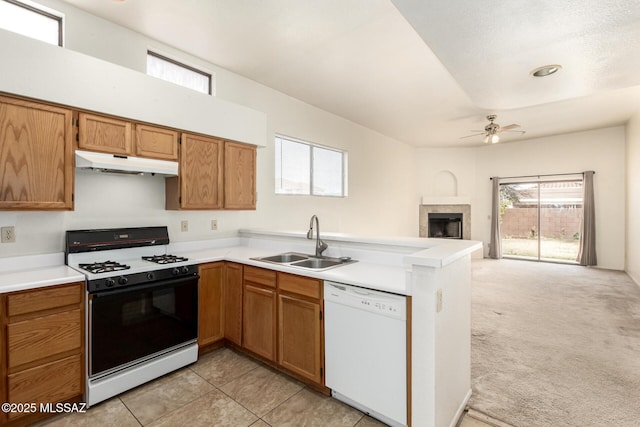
[18,273]
[383,263]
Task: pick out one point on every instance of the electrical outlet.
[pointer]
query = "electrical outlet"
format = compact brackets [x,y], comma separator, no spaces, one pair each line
[439,301]
[214,224]
[184,225]
[8,234]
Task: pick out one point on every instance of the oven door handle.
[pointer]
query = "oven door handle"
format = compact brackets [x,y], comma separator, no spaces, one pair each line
[154,285]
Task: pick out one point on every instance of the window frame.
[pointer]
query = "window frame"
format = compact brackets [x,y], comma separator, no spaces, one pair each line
[209,75]
[44,11]
[312,145]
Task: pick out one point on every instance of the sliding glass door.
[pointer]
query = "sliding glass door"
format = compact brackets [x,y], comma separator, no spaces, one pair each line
[541,220]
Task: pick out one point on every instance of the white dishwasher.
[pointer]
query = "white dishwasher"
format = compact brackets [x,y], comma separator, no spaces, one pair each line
[366,350]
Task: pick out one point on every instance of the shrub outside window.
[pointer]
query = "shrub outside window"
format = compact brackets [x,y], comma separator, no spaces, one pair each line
[304,168]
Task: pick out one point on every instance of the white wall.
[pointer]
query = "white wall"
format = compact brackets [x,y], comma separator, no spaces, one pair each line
[632,265]
[382,191]
[601,150]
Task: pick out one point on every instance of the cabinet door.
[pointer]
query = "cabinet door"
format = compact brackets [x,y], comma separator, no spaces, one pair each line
[259,320]
[36,156]
[210,326]
[201,172]
[233,303]
[239,176]
[104,134]
[156,142]
[300,337]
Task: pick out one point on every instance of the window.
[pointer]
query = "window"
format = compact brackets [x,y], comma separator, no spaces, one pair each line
[309,169]
[176,72]
[31,20]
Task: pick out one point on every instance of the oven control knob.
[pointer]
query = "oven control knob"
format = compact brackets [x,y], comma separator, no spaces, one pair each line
[123,280]
[150,276]
[175,271]
[184,270]
[109,282]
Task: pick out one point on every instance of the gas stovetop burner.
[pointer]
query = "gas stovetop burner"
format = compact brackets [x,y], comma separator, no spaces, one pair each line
[164,259]
[103,267]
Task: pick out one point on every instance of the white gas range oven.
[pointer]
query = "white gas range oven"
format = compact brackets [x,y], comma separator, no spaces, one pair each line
[142,307]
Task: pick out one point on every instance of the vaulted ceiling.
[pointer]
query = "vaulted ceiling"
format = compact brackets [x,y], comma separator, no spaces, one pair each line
[423,72]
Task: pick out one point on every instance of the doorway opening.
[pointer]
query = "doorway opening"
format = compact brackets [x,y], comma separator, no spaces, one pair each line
[540,220]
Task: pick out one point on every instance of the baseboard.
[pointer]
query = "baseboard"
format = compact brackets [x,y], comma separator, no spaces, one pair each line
[460,411]
[633,279]
[486,418]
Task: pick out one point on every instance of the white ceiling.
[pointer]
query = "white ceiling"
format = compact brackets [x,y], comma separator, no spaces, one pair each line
[423,72]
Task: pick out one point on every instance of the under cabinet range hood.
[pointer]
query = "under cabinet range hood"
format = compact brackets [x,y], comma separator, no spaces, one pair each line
[114,163]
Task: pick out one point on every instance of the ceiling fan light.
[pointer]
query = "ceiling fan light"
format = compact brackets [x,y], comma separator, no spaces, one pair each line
[494,138]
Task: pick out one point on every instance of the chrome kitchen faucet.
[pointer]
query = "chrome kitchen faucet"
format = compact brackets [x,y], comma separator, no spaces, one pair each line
[320,245]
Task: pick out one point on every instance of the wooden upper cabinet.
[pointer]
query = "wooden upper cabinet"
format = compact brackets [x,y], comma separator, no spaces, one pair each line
[104,134]
[200,184]
[239,176]
[36,156]
[156,142]
[122,137]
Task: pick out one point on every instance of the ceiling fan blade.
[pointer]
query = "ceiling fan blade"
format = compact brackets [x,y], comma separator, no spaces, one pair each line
[475,134]
[518,131]
[508,127]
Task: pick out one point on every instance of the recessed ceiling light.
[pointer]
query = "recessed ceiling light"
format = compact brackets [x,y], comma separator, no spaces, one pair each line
[545,70]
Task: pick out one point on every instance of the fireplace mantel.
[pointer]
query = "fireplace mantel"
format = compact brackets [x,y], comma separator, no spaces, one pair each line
[446,200]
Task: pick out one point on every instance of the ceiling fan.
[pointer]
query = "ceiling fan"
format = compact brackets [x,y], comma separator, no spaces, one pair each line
[492,130]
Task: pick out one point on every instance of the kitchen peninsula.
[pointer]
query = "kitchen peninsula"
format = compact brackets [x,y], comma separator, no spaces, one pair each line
[434,273]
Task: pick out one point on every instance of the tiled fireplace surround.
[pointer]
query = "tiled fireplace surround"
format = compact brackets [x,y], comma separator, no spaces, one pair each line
[464,209]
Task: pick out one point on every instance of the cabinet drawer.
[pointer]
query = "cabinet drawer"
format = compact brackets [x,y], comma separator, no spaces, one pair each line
[260,275]
[54,382]
[42,337]
[44,299]
[305,286]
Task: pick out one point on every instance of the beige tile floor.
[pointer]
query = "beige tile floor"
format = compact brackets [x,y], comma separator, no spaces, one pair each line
[224,388]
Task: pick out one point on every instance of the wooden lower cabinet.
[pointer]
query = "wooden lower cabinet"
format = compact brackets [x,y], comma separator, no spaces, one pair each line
[299,337]
[210,303]
[259,312]
[232,295]
[42,357]
[300,326]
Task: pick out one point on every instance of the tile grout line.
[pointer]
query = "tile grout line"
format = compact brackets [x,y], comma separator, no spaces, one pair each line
[129,410]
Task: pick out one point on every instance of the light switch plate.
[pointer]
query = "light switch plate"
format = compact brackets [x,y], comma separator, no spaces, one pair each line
[439,301]
[184,225]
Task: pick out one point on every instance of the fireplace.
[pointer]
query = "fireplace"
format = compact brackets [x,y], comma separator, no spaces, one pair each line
[445,225]
[462,222]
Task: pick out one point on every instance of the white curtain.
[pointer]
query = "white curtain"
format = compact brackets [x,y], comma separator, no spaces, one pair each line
[587,253]
[495,247]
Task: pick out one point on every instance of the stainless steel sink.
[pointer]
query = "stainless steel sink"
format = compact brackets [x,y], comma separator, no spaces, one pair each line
[317,263]
[304,261]
[284,258]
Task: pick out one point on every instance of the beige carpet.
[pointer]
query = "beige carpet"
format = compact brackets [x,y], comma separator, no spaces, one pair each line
[555,345]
